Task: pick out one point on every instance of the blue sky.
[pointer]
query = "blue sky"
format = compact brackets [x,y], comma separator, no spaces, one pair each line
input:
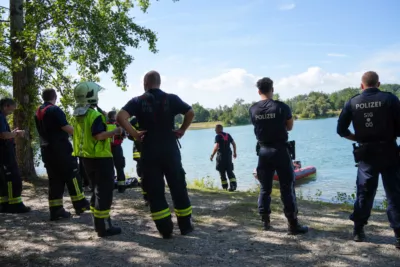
[212,52]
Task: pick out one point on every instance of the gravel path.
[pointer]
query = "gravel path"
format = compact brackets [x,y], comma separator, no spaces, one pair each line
[227,233]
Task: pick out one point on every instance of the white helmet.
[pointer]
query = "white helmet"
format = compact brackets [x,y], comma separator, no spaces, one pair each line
[86,94]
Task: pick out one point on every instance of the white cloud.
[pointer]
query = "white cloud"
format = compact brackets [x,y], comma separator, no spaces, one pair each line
[214,88]
[336,55]
[287,6]
[234,78]
[316,79]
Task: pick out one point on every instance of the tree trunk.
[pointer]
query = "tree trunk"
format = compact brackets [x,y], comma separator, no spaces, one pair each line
[22,92]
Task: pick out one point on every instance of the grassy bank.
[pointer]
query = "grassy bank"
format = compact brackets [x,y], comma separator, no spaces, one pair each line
[211,125]
[227,233]
[203,125]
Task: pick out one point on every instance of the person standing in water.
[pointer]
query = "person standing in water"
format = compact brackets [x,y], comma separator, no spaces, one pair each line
[224,165]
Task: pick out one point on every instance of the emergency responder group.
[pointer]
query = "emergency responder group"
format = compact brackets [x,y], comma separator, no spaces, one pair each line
[97,145]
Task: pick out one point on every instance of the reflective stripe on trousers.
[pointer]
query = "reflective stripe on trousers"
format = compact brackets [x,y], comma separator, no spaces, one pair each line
[160,214]
[101,214]
[183,212]
[79,195]
[11,199]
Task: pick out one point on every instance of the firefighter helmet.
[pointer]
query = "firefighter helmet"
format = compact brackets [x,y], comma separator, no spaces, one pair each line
[86,94]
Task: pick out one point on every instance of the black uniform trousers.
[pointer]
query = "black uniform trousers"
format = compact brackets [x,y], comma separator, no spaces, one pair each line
[119,163]
[101,174]
[224,166]
[11,182]
[367,184]
[271,159]
[62,169]
[156,164]
[82,172]
[139,173]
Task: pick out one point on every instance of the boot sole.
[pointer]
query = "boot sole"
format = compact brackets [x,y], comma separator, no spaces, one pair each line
[108,234]
[188,231]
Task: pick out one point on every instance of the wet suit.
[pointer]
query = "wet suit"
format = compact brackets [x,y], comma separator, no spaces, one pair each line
[224,164]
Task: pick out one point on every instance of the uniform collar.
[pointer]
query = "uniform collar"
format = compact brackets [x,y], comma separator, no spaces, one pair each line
[370,90]
[154,90]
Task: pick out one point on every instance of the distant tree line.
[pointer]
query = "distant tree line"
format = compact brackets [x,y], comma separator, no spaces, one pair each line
[308,106]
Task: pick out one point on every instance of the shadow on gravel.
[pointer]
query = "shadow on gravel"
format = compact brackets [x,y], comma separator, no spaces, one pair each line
[227,233]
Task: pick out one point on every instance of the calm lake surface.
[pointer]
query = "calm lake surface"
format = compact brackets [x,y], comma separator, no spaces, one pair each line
[317,144]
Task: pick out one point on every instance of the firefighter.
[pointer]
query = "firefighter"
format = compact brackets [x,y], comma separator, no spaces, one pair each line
[155,111]
[92,144]
[224,165]
[117,151]
[11,185]
[137,149]
[56,150]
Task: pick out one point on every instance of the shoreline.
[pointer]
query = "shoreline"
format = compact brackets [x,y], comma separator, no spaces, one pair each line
[211,125]
[227,232]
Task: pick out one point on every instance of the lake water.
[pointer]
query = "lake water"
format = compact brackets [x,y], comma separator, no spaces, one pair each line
[317,144]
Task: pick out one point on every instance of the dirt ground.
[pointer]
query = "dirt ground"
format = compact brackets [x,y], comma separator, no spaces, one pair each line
[228,233]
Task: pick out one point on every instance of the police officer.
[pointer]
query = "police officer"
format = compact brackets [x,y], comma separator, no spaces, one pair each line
[56,150]
[92,143]
[376,120]
[137,150]
[117,151]
[155,111]
[224,163]
[272,120]
[11,182]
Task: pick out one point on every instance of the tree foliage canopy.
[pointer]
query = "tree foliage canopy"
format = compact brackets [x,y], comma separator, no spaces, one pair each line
[312,105]
[42,41]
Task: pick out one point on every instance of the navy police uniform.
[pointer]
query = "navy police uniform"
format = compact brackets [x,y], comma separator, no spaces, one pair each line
[224,164]
[10,178]
[376,119]
[62,168]
[269,118]
[155,111]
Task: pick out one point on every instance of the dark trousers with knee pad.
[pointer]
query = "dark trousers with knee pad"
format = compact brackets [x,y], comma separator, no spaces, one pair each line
[224,166]
[101,174]
[119,163]
[156,165]
[367,184]
[62,169]
[271,159]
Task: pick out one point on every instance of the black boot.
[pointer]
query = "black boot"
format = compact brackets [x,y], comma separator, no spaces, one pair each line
[165,227]
[358,233]
[185,225]
[18,208]
[294,228]
[232,187]
[397,235]
[59,213]
[82,206]
[3,208]
[266,222]
[121,188]
[104,227]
